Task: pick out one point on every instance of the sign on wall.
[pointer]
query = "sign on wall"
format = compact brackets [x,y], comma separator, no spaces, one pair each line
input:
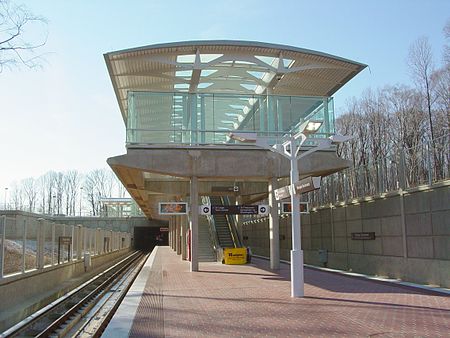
[363,235]
[172,208]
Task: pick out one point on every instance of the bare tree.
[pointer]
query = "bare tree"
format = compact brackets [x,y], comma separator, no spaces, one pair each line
[72,186]
[59,192]
[16,45]
[447,47]
[16,197]
[420,62]
[30,190]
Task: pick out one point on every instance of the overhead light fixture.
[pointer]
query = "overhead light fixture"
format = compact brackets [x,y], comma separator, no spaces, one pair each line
[310,127]
[336,139]
[244,137]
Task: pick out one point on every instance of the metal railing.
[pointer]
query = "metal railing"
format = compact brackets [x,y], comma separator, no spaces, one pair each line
[198,137]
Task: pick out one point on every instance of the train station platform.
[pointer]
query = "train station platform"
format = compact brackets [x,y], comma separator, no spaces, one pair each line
[166,300]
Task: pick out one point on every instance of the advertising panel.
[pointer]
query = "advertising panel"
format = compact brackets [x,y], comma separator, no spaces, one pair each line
[172,208]
[286,208]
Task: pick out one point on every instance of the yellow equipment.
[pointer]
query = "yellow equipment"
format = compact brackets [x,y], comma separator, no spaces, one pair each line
[235,255]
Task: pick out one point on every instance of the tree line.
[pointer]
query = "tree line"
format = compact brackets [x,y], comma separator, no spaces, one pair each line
[402,122]
[69,193]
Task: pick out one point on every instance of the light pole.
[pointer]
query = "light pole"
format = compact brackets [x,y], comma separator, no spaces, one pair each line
[290,149]
[81,195]
[6,190]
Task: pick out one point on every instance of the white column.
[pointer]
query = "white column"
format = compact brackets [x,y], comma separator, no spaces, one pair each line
[183,238]
[79,235]
[2,247]
[24,242]
[297,280]
[239,220]
[274,226]
[194,223]
[170,231]
[177,235]
[40,243]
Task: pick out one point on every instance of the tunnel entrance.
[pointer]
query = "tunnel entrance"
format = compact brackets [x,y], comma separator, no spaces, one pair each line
[146,238]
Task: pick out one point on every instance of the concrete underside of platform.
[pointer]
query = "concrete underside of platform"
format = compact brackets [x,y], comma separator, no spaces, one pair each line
[156,174]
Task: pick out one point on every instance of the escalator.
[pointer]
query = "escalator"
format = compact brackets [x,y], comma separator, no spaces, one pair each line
[224,234]
[225,226]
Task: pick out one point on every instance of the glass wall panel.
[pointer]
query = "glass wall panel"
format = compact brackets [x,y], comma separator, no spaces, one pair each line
[60,253]
[184,118]
[14,233]
[31,244]
[48,243]
[75,239]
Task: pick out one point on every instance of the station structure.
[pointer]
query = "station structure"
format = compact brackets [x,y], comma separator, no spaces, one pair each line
[181,101]
[207,124]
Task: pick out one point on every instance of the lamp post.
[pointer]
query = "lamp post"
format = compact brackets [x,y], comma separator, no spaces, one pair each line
[6,190]
[290,149]
[81,195]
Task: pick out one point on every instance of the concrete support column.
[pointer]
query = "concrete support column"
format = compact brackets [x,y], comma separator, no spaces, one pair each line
[403,223]
[194,223]
[3,244]
[79,234]
[24,245]
[171,232]
[274,226]
[239,219]
[40,243]
[169,235]
[184,237]
[178,234]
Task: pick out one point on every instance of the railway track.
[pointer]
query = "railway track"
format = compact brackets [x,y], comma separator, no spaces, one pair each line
[86,310]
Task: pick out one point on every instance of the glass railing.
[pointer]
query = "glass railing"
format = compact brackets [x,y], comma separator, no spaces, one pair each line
[182,118]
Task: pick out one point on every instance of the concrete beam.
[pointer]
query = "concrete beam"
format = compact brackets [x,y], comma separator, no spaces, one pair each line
[222,163]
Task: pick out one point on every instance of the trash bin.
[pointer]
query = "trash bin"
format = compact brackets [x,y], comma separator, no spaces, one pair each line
[323,256]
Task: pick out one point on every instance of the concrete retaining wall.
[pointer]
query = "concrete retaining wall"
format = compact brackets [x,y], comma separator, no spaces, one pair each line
[412,232]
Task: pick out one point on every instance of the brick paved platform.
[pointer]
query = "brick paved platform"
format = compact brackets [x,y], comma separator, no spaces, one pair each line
[253,301]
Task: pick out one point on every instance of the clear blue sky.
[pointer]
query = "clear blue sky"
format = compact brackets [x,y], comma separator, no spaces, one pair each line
[65,116]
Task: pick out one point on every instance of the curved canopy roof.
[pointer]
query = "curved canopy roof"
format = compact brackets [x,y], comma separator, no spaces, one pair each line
[233,67]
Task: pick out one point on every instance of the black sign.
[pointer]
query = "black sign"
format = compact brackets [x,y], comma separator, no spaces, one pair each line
[363,235]
[65,240]
[225,189]
[234,210]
